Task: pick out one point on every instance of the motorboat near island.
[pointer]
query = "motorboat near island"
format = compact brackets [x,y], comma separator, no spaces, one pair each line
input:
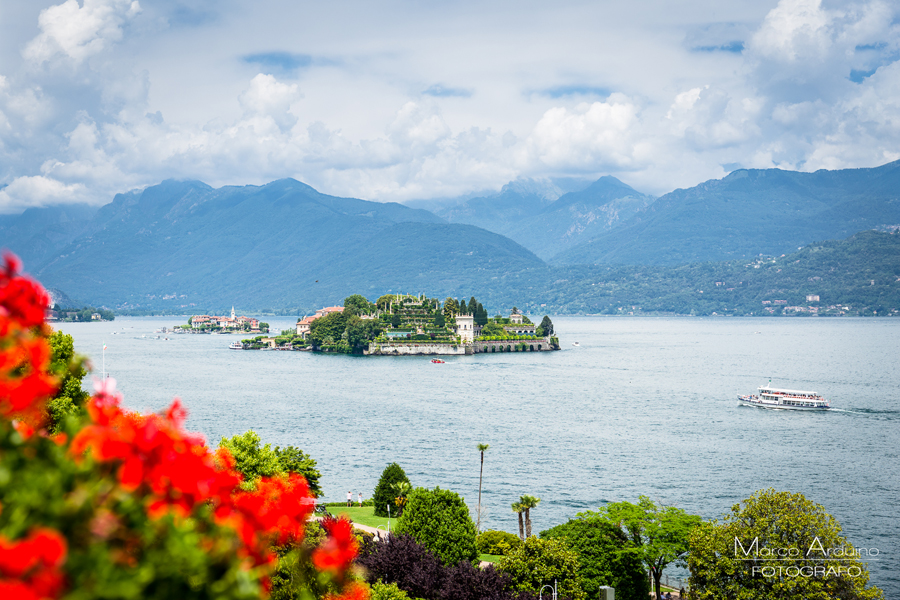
[437,361]
[236,346]
[769,397]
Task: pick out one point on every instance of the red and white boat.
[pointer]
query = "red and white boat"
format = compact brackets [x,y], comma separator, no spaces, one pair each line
[437,361]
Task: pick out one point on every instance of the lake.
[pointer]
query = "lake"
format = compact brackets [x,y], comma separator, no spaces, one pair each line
[642,406]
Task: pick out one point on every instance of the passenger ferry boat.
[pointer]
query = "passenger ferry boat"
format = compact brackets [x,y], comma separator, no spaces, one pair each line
[769,397]
[236,346]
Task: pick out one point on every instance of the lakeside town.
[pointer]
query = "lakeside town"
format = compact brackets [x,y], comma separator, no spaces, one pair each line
[396,324]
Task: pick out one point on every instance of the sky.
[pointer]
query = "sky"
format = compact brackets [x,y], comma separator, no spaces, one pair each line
[408,99]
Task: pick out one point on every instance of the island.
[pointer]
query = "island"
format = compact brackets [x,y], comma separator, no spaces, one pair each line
[404,324]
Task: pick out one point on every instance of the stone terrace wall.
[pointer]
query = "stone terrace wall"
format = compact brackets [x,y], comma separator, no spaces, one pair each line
[541,345]
[417,348]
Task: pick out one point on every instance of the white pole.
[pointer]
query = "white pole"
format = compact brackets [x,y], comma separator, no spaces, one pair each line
[104,360]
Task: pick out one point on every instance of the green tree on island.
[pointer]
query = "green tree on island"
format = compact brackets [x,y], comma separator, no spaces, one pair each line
[439,520]
[451,309]
[356,305]
[776,545]
[659,534]
[545,329]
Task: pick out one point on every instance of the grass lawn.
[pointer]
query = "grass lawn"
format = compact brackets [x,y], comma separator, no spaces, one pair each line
[491,558]
[364,515]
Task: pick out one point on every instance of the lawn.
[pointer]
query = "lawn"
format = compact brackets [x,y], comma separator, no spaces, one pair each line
[364,515]
[491,558]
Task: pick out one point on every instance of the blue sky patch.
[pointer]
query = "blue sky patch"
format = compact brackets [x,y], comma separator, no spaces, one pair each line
[561,91]
[735,47]
[284,62]
[439,91]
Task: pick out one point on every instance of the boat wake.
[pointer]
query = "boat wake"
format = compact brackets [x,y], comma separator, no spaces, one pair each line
[885,415]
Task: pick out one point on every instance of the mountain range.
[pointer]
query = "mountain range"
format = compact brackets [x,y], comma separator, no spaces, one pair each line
[183,245]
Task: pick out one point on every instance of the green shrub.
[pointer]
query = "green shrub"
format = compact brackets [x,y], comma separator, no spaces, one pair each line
[384,493]
[496,542]
[538,562]
[439,520]
[387,591]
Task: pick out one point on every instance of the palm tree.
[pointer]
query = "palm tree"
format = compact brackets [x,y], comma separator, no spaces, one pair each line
[481,448]
[518,508]
[527,503]
[401,489]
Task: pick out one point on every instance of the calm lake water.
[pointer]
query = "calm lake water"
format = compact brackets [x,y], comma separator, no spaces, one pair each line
[642,406]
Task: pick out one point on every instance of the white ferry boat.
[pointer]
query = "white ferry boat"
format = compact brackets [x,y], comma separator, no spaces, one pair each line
[236,346]
[769,397]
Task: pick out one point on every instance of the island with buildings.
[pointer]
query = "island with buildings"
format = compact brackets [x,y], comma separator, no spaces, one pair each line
[404,324]
[224,324]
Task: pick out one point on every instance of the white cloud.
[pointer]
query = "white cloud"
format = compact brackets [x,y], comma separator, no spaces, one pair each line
[270,99]
[587,137]
[25,192]
[80,32]
[126,102]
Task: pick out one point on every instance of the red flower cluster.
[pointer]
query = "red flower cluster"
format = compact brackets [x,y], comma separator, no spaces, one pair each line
[339,550]
[170,470]
[24,354]
[177,472]
[30,568]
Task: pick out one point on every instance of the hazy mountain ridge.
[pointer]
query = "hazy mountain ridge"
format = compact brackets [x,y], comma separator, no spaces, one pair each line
[544,218]
[747,213]
[183,243]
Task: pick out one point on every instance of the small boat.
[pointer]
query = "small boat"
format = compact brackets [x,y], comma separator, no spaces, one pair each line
[769,397]
[236,346]
[576,344]
[437,361]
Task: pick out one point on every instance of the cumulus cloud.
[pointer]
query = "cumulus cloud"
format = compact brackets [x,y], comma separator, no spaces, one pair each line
[26,192]
[601,134]
[80,32]
[269,99]
[805,86]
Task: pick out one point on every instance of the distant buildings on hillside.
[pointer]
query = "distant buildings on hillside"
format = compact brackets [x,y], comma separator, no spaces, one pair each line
[232,323]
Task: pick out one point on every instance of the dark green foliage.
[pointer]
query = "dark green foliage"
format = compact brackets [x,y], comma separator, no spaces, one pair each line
[295,460]
[439,520]
[537,562]
[545,329]
[384,491]
[70,399]
[496,542]
[603,558]
[481,315]
[395,320]
[439,320]
[361,331]
[84,314]
[357,305]
[328,329]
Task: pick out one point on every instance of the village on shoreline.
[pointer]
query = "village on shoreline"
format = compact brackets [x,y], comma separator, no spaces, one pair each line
[394,325]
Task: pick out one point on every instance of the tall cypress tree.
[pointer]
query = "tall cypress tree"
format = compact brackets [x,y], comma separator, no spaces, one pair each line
[384,494]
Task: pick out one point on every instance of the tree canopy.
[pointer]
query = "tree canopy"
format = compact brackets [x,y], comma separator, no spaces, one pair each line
[439,520]
[777,545]
[659,534]
[545,329]
[538,562]
[254,460]
[70,398]
[357,305]
[599,546]
[384,491]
